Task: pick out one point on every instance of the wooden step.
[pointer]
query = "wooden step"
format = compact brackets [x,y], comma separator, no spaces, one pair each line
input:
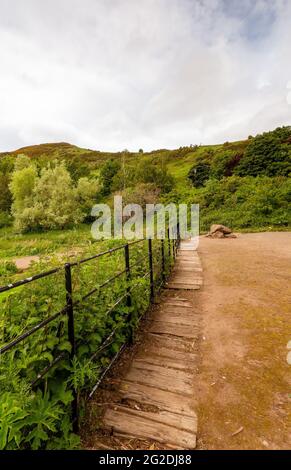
[171,380]
[162,399]
[175,329]
[175,342]
[170,353]
[184,286]
[155,426]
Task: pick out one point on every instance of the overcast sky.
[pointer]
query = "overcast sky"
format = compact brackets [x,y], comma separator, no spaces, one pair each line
[116,74]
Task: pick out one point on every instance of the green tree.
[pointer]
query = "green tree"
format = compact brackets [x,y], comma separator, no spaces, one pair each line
[55,203]
[87,190]
[147,172]
[5,194]
[48,201]
[22,161]
[199,174]
[266,155]
[77,168]
[21,186]
[107,173]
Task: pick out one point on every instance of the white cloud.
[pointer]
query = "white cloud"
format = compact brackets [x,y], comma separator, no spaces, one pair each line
[151,74]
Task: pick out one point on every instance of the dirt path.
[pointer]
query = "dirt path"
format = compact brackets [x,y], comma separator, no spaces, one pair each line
[244,379]
[25,262]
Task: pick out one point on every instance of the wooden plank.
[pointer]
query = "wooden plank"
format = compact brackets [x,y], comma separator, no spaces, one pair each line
[162,399]
[186,280]
[176,318]
[162,361]
[175,307]
[187,268]
[172,380]
[184,277]
[172,302]
[186,423]
[175,342]
[176,286]
[173,329]
[168,352]
[121,421]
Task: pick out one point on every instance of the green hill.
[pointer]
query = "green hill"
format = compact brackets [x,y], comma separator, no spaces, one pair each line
[245,183]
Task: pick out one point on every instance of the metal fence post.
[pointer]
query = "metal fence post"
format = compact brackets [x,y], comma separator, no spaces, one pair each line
[169,242]
[173,244]
[71,337]
[163,260]
[128,296]
[152,292]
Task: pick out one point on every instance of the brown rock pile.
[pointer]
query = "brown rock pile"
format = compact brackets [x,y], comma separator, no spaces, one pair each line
[220,231]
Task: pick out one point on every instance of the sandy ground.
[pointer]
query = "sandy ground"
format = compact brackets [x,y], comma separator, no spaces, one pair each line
[244,385]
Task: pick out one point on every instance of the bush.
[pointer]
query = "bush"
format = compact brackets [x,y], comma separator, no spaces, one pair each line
[267,154]
[49,200]
[107,173]
[241,202]
[199,174]
[5,219]
[149,173]
[142,194]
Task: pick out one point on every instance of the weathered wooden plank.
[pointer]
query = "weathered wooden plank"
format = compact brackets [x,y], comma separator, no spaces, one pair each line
[183,422]
[177,302]
[159,349]
[175,342]
[162,361]
[162,399]
[142,425]
[173,329]
[173,380]
[175,286]
[183,318]
[181,279]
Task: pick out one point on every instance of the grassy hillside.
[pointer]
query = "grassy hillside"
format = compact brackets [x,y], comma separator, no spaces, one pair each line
[244,183]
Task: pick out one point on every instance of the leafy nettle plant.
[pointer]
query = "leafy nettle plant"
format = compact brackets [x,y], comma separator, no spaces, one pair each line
[38,378]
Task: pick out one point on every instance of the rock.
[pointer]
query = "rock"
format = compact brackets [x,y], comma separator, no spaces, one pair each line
[217,234]
[220,231]
[220,228]
[230,235]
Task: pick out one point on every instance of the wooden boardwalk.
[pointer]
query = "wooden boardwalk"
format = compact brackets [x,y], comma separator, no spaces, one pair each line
[157,391]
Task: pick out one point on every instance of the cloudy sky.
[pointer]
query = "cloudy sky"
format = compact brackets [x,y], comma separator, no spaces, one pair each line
[115,74]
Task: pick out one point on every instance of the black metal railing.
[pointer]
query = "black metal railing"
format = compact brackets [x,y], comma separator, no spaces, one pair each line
[155,258]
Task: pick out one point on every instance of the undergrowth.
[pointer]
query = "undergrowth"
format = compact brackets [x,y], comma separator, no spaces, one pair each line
[35,410]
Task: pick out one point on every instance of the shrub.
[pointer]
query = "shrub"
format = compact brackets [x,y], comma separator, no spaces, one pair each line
[5,219]
[199,174]
[266,155]
[107,173]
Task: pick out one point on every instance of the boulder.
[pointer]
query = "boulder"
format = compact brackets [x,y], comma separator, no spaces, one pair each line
[220,231]
[220,228]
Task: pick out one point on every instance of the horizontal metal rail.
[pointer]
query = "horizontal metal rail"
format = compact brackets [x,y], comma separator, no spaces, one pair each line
[29,279]
[60,268]
[96,289]
[41,374]
[32,330]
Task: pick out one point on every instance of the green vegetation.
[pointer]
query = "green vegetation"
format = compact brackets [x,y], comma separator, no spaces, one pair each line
[88,176]
[35,411]
[48,200]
